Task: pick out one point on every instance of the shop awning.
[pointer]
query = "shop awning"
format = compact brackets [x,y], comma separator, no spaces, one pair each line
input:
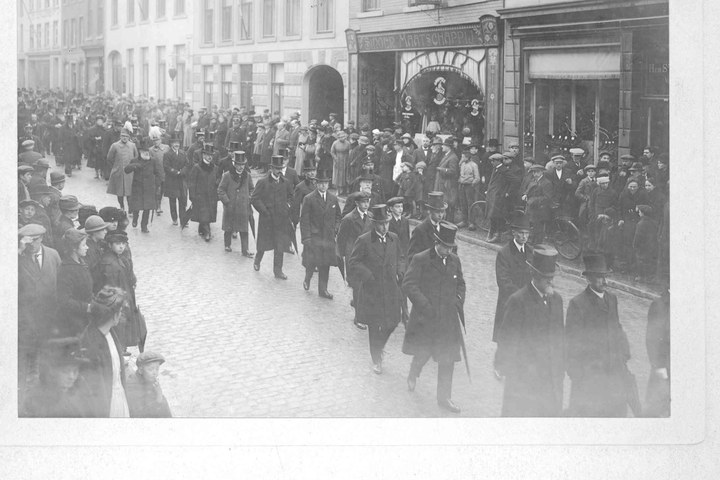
[575,63]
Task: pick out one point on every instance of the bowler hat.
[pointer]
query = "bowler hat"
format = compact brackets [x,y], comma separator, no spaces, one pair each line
[31,230]
[239,157]
[324,176]
[69,203]
[543,260]
[595,264]
[116,236]
[63,351]
[520,221]
[95,223]
[449,141]
[277,161]
[446,233]
[149,357]
[233,146]
[379,213]
[56,178]
[436,201]
[395,200]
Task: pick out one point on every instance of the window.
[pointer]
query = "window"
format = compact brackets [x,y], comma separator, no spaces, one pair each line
[73,31]
[246,85]
[144,10]
[64,35]
[55,33]
[370,5]
[91,19]
[47,35]
[22,32]
[100,19]
[277,80]
[179,7]
[180,67]
[226,16]
[38,36]
[47,3]
[161,73]
[226,85]
[131,70]
[208,17]
[145,88]
[293,17]
[324,19]
[208,85]
[246,19]
[160,8]
[81,30]
[32,37]
[113,13]
[268,18]
[131,11]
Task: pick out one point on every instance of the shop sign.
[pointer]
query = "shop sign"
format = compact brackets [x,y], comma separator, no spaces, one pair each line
[483,33]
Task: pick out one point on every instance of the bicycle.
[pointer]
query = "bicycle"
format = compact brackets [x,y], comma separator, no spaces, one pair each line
[565,236]
[478,216]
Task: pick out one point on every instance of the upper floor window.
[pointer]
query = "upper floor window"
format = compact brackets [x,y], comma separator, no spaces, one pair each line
[370,5]
[293,17]
[144,10]
[114,13]
[246,19]
[268,18]
[324,10]
[226,17]
[130,12]
[208,18]
[179,7]
[160,8]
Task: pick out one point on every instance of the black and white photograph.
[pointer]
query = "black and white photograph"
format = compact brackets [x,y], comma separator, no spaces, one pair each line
[441,210]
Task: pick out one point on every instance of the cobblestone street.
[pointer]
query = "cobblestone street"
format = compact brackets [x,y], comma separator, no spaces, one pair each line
[240,343]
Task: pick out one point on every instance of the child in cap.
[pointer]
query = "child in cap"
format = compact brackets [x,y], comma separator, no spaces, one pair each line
[144,395]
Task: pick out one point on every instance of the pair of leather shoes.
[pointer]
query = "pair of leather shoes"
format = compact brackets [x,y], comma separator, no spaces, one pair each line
[281,276]
[411,381]
[326,294]
[256,266]
[449,406]
[306,284]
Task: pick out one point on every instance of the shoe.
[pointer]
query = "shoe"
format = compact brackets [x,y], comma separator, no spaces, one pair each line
[306,285]
[411,381]
[472,227]
[207,237]
[256,266]
[175,222]
[281,276]
[144,230]
[462,225]
[360,326]
[228,249]
[326,294]
[449,406]
[248,254]
[377,368]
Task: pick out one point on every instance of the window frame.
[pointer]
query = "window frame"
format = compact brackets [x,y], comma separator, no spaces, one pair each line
[161,80]
[290,6]
[205,10]
[242,5]
[330,18]
[226,20]
[273,20]
[130,19]
[366,8]
[114,17]
[160,15]
[208,102]
[225,86]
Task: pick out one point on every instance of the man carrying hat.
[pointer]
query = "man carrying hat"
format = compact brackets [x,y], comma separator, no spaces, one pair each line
[423,236]
[435,285]
[320,219]
[376,267]
[272,197]
[531,340]
[234,192]
[176,166]
[597,347]
[120,155]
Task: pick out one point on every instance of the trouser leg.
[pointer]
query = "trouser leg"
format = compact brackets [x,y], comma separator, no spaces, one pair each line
[309,271]
[323,277]
[444,385]
[278,261]
[227,237]
[244,241]
[145,219]
[173,208]
[121,201]
[259,256]
[378,339]
[417,364]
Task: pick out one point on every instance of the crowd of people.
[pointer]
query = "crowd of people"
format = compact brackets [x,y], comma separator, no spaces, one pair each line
[77,309]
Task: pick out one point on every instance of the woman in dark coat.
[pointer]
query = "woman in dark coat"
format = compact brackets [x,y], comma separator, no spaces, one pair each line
[74,286]
[147,177]
[234,192]
[202,186]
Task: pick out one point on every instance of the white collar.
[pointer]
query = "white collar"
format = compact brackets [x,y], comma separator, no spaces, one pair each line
[519,247]
[599,294]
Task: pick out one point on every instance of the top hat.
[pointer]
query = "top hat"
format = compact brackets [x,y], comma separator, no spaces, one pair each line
[208,149]
[63,351]
[595,264]
[520,221]
[239,157]
[449,142]
[283,152]
[276,161]
[543,260]
[175,137]
[210,137]
[309,165]
[436,201]
[323,176]
[379,213]
[234,146]
[447,233]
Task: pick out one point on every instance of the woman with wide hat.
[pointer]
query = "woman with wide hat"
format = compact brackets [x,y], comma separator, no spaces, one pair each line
[236,186]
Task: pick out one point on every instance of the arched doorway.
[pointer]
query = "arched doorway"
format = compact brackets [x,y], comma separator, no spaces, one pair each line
[325,93]
[116,75]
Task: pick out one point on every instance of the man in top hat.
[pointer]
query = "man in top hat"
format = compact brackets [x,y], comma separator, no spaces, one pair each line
[272,198]
[435,285]
[145,397]
[202,188]
[531,341]
[319,221]
[194,151]
[597,347]
[24,176]
[69,218]
[28,155]
[175,166]
[538,198]
[234,192]
[306,186]
[93,145]
[376,267]
[423,236]
[120,155]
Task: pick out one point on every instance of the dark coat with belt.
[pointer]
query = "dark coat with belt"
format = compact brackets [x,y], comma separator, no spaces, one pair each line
[375,268]
[37,296]
[98,373]
[597,351]
[511,273]
[351,227]
[272,199]
[423,237]
[147,177]
[234,192]
[319,221]
[176,168]
[531,354]
[437,292]
[202,186]
[75,289]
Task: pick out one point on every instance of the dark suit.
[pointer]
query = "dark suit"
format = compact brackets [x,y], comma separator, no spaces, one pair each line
[563,193]
[530,354]
[422,238]
[292,175]
[176,167]
[272,199]
[301,190]
[597,351]
[351,227]
[512,273]
[319,221]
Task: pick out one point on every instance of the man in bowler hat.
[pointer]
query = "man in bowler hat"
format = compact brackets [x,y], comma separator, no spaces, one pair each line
[435,285]
[531,343]
[423,236]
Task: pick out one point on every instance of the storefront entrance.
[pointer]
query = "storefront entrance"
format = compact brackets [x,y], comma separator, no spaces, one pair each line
[324,93]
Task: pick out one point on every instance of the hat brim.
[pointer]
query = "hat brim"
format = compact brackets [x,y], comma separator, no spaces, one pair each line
[543,274]
[432,207]
[440,240]
[97,229]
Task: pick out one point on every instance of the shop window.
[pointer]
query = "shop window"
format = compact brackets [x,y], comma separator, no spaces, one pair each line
[268,18]
[226,17]
[276,87]
[324,10]
[246,19]
[246,85]
[208,85]
[225,86]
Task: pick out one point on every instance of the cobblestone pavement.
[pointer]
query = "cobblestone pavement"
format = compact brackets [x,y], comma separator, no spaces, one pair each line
[240,343]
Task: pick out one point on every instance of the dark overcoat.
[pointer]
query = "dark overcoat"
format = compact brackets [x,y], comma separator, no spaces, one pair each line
[446,179]
[437,293]
[511,273]
[272,199]
[98,373]
[422,238]
[539,200]
[351,227]
[319,220]
[301,190]
[597,351]
[401,228]
[531,354]
[176,168]
[75,290]
[498,191]
[117,271]
[147,177]
[202,186]
[234,192]
[563,193]
[95,251]
[37,296]
[375,268]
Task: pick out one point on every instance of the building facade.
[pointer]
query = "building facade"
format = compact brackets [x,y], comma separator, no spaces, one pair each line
[427,64]
[148,48]
[38,46]
[72,56]
[93,45]
[281,55]
[586,73]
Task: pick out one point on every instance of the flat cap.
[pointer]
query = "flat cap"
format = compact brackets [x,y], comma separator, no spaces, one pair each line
[69,202]
[42,163]
[577,151]
[31,230]
[56,178]
[395,200]
[497,156]
[23,169]
[28,143]
[149,357]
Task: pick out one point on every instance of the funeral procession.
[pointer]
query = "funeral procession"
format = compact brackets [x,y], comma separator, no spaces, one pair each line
[329,208]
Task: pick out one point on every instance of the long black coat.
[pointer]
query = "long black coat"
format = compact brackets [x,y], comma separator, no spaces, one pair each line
[375,268]
[422,238]
[511,273]
[176,168]
[117,271]
[597,351]
[319,221]
[202,186]
[301,190]
[531,354]
[401,228]
[437,292]
[74,293]
[272,199]
[37,296]
[498,192]
[98,374]
[234,192]
[351,227]
[147,177]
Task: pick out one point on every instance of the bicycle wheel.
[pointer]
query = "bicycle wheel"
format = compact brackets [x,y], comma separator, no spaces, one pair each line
[478,216]
[568,241]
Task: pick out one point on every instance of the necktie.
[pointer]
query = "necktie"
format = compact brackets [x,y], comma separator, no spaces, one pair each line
[37,260]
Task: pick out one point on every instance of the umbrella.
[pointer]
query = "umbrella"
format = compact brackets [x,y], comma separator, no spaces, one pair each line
[185,217]
[461,319]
